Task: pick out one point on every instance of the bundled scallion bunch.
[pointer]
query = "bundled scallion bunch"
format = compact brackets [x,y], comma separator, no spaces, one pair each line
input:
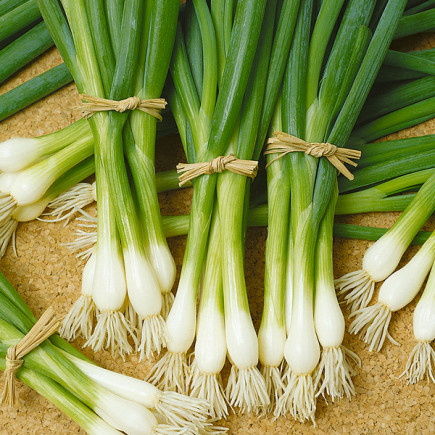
[328,78]
[119,58]
[99,400]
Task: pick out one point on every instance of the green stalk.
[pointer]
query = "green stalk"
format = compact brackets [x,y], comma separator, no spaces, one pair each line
[142,155]
[349,231]
[217,9]
[397,98]
[379,152]
[8,5]
[18,18]
[401,184]
[33,90]
[417,23]
[278,194]
[346,206]
[420,7]
[278,62]
[192,34]
[101,41]
[408,61]
[390,168]
[114,11]
[400,119]
[60,31]
[23,50]
[110,148]
[388,75]
[322,31]
[415,215]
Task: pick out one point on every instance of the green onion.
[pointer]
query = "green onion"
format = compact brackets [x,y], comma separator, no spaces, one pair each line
[18,18]
[334,372]
[33,90]
[385,150]
[416,23]
[397,98]
[389,168]
[397,120]
[382,258]
[422,357]
[397,291]
[82,387]
[410,62]
[23,50]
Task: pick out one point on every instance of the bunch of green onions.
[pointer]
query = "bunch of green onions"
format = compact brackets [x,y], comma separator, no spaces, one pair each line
[99,400]
[317,105]
[211,70]
[118,51]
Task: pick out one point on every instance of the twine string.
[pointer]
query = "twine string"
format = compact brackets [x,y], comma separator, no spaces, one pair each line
[231,163]
[283,144]
[46,326]
[91,105]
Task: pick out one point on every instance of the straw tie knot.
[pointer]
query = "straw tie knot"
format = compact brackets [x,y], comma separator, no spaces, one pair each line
[219,164]
[12,362]
[130,103]
[231,163]
[42,329]
[91,105]
[321,149]
[283,144]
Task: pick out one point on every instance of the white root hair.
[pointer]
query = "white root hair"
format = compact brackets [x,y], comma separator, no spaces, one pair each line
[79,320]
[84,244]
[7,206]
[355,289]
[112,332]
[153,335]
[421,363]
[167,302]
[299,398]
[208,429]
[85,240]
[334,373]
[131,316]
[209,386]
[246,390]
[170,373]
[274,385]
[371,324]
[181,410]
[7,232]
[167,429]
[68,203]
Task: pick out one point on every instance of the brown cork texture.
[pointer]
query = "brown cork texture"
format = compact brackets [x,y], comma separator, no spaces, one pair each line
[45,273]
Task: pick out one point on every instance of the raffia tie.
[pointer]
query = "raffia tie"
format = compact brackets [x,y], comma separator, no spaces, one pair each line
[96,104]
[284,143]
[46,326]
[231,163]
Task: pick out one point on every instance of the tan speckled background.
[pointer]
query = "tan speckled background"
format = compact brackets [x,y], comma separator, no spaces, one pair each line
[45,273]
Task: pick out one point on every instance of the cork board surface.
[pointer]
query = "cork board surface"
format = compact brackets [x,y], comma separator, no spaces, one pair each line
[46,273]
